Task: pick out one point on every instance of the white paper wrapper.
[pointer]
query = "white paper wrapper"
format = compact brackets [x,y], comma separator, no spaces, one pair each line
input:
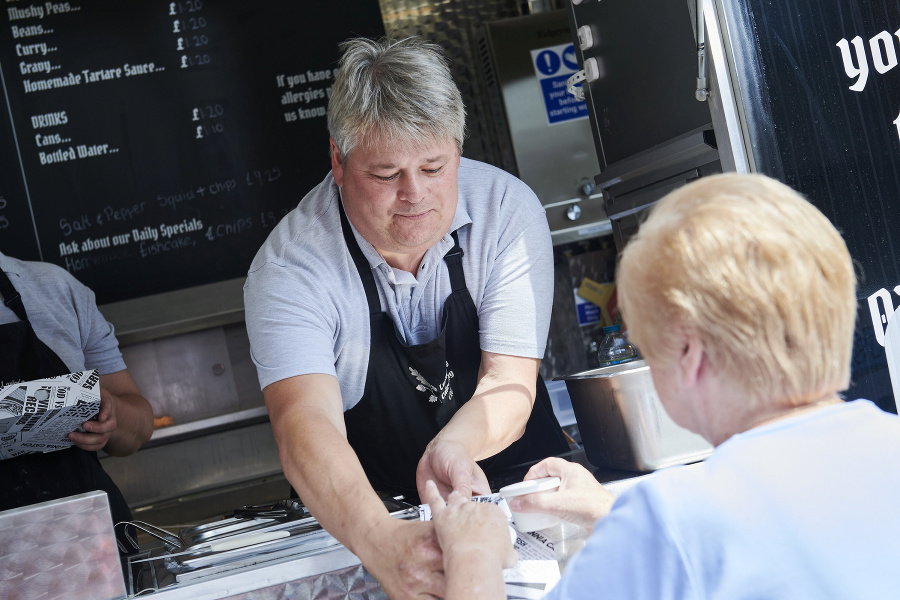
[537,570]
[37,416]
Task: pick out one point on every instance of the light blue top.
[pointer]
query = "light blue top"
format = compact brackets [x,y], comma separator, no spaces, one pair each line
[306,309]
[64,315]
[807,507]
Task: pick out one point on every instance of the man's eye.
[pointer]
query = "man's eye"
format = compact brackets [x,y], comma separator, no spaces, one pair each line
[433,171]
[386,177]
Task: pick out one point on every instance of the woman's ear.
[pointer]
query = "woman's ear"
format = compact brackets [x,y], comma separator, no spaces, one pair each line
[693,361]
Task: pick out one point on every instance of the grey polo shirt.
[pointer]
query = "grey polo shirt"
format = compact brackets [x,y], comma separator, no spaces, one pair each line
[306,308]
[64,315]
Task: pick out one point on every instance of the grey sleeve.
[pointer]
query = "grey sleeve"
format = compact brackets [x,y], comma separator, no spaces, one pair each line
[518,298]
[98,339]
[290,322]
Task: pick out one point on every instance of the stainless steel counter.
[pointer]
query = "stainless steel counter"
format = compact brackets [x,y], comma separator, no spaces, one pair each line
[334,572]
[337,573]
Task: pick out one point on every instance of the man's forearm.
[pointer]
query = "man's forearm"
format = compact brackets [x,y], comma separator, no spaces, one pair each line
[327,475]
[485,427]
[134,416]
[133,413]
[496,415]
[308,423]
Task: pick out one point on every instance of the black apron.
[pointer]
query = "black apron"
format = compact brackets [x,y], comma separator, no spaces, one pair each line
[39,477]
[411,392]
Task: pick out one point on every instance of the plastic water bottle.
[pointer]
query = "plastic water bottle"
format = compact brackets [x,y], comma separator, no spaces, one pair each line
[615,347]
[592,354]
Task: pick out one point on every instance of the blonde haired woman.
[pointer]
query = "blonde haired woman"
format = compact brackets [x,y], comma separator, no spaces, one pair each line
[741,296]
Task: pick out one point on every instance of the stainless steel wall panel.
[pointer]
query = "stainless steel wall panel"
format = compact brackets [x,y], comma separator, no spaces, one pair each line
[196,375]
[204,463]
[556,159]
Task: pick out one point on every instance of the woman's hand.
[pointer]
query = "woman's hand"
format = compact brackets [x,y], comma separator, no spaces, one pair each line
[475,541]
[580,498]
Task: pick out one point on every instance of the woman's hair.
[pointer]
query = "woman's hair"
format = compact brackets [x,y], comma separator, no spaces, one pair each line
[758,273]
[398,91]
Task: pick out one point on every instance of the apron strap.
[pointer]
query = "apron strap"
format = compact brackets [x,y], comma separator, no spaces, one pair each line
[362,265]
[453,258]
[11,297]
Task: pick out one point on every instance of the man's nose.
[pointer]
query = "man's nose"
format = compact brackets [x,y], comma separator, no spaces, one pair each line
[412,189]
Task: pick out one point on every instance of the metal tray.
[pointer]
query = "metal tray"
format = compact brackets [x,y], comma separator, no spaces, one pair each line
[623,424]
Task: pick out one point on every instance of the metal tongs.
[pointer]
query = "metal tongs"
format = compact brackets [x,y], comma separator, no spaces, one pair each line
[283,509]
[171,540]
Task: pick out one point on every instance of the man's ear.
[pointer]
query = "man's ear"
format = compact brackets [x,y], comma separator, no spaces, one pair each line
[337,163]
[693,360]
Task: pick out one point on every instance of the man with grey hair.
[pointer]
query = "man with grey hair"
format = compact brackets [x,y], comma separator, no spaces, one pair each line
[398,315]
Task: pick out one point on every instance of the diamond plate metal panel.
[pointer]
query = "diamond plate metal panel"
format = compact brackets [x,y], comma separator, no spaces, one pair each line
[61,549]
[351,583]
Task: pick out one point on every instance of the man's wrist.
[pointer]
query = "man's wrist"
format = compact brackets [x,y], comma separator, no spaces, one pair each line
[369,544]
[449,438]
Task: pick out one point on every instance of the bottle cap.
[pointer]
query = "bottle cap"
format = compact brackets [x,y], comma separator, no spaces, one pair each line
[531,521]
[611,328]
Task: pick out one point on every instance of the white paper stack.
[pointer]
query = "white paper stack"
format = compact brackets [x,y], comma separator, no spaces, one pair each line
[537,570]
[37,416]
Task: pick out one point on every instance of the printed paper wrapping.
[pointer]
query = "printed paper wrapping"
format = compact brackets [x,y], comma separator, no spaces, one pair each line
[37,416]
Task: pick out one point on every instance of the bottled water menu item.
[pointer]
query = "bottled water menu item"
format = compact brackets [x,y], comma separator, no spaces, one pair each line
[151,146]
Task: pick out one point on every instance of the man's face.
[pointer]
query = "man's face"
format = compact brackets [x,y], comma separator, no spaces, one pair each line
[401,201]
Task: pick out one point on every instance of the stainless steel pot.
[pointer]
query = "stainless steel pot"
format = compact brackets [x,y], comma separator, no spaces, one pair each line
[622,423]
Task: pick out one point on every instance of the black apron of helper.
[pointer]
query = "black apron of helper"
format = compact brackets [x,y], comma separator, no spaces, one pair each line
[39,477]
[411,392]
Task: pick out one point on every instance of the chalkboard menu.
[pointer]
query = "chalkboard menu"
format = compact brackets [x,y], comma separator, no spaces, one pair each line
[822,93]
[151,146]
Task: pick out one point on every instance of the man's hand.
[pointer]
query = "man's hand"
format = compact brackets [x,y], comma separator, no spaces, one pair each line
[492,419]
[474,538]
[452,469]
[580,499]
[406,559]
[125,419]
[98,432]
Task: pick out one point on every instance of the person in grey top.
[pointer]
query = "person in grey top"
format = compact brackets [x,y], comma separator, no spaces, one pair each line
[397,316]
[49,326]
